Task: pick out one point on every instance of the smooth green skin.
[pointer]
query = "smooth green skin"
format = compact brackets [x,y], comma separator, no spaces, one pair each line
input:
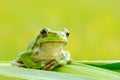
[41,52]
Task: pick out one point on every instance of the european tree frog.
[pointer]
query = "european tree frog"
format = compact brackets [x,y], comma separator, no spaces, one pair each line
[46,51]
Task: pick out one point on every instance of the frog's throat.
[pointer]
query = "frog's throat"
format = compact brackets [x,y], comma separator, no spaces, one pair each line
[50,51]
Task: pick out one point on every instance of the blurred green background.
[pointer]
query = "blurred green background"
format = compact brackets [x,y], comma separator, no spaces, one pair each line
[94,26]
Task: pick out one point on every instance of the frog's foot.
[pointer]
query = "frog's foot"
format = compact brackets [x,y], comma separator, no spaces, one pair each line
[70,61]
[64,62]
[50,65]
[53,63]
[18,64]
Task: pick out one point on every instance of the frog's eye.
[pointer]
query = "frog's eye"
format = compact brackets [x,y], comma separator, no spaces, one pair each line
[67,33]
[44,32]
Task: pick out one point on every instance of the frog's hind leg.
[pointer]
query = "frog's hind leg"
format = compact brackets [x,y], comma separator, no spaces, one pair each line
[18,64]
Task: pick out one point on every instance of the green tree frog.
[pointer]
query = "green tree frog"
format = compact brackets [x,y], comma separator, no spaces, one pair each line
[46,51]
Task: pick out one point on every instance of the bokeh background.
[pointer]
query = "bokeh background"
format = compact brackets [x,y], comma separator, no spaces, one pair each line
[94,26]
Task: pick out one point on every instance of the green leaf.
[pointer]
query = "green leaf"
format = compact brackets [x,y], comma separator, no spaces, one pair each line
[87,70]
[73,71]
[107,64]
[32,74]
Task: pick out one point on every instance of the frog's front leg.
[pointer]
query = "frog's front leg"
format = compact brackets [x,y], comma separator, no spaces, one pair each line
[66,59]
[50,65]
[25,58]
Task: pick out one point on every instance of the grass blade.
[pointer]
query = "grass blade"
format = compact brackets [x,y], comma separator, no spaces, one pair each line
[32,74]
[107,64]
[87,70]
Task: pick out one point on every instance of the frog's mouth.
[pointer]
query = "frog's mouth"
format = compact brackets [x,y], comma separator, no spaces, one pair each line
[53,41]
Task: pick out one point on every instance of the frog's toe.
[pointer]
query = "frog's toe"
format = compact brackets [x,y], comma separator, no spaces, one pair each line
[50,66]
[18,64]
[70,61]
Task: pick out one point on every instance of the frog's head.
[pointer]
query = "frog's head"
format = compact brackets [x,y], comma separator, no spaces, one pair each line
[50,36]
[51,42]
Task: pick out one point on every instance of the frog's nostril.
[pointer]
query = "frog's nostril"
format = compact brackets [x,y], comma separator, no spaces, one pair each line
[63,35]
